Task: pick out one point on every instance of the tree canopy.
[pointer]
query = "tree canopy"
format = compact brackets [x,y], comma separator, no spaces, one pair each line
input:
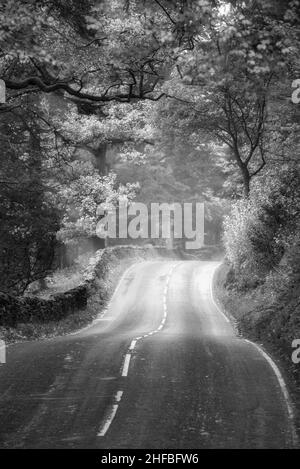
[155,100]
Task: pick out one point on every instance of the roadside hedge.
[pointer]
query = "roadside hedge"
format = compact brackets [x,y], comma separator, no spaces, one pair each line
[30,309]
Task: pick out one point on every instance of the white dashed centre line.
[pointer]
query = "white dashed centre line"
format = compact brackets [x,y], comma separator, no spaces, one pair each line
[126,364]
[111,415]
[124,373]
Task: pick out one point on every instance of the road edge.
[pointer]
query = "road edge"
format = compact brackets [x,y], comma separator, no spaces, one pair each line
[290,406]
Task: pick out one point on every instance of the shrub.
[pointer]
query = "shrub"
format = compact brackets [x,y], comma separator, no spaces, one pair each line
[261,228]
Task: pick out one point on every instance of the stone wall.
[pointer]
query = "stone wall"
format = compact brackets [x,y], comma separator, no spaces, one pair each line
[30,309]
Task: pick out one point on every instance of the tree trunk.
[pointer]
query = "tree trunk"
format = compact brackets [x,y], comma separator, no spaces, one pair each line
[244,170]
[101,162]
[246,180]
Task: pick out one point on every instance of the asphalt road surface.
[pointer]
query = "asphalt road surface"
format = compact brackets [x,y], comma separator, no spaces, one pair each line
[162,368]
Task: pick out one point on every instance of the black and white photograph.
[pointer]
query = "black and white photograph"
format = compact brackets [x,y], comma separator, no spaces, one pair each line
[149,229]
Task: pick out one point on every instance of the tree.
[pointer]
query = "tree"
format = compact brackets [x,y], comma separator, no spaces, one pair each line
[228,79]
[90,56]
[124,127]
[261,229]
[28,218]
[80,199]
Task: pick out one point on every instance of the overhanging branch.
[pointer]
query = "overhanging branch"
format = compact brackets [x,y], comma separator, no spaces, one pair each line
[64,86]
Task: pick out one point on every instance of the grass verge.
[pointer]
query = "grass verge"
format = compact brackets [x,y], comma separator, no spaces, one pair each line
[74,321]
[259,320]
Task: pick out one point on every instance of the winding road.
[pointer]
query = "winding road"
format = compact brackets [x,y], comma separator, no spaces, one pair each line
[162,367]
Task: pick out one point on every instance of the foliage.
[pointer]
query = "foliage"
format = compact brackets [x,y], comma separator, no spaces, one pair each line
[80,199]
[190,99]
[260,229]
[98,53]
[28,218]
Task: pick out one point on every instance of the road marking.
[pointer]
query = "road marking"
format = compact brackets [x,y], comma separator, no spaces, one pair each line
[119,396]
[127,271]
[213,300]
[132,345]
[155,331]
[104,428]
[105,310]
[126,364]
[282,386]
[109,420]
[275,369]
